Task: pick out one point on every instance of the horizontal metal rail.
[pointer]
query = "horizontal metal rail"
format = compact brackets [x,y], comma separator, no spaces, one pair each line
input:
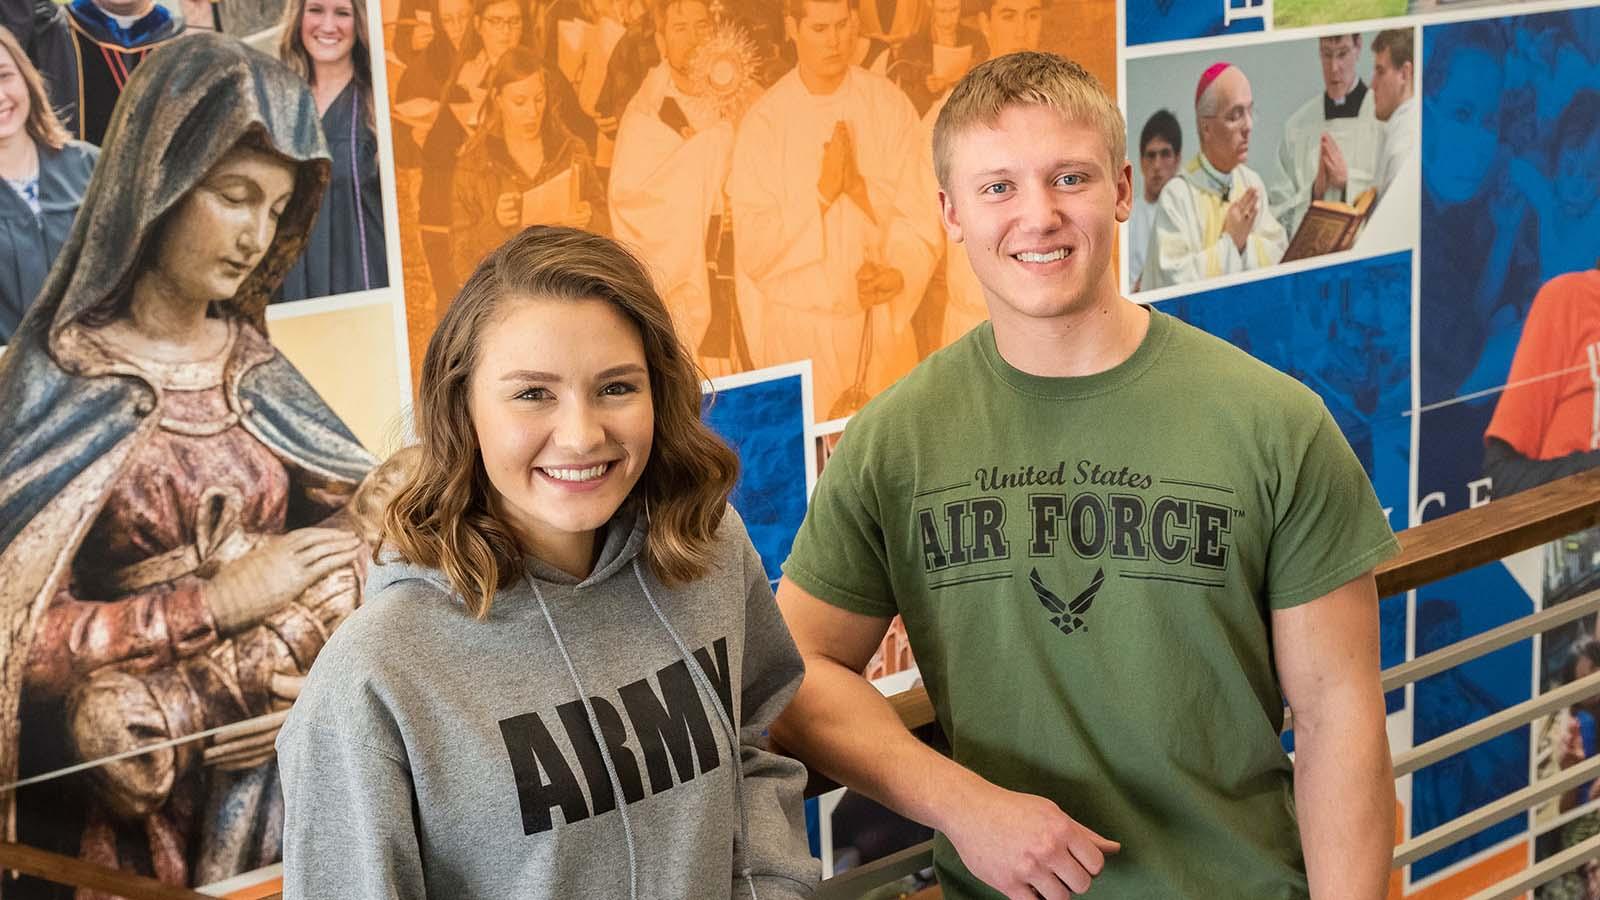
[1471,823]
[1451,743]
[1542,872]
[1490,641]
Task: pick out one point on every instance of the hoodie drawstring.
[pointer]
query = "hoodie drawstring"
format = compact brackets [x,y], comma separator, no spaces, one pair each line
[599,739]
[728,730]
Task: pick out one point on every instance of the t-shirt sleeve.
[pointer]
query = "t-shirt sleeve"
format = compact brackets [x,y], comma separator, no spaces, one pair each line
[1330,527]
[839,555]
[1523,413]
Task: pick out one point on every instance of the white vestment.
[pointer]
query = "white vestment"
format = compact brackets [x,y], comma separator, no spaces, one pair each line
[1189,243]
[664,190]
[1141,224]
[1359,139]
[797,260]
[1399,142]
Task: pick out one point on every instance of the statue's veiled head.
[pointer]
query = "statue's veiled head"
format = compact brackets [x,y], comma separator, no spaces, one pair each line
[191,107]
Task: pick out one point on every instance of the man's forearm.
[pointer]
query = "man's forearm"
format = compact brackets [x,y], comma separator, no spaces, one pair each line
[841,726]
[1344,799]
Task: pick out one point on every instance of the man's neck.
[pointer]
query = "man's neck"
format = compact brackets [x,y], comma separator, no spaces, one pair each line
[821,85]
[1212,162]
[129,14]
[1151,196]
[681,80]
[1084,342]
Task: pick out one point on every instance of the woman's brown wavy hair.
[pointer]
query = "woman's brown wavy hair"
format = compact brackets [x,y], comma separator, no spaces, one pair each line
[442,518]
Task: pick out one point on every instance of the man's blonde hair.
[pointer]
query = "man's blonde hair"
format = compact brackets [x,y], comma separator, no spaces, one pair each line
[1028,78]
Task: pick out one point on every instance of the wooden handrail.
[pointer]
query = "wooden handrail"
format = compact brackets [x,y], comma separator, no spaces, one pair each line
[1450,545]
[54,867]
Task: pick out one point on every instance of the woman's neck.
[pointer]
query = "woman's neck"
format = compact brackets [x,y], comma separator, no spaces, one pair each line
[528,155]
[19,157]
[328,81]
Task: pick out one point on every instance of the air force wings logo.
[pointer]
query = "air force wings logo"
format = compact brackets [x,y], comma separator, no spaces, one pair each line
[1067,616]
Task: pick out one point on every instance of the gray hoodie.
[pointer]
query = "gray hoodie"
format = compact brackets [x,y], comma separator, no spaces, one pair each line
[431,755]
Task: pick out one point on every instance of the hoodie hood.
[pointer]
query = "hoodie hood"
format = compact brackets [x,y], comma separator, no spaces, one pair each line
[620,544]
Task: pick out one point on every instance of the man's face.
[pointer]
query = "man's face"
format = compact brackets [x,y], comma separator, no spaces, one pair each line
[1036,200]
[455,16]
[1577,181]
[1339,55]
[1012,25]
[1158,162]
[946,16]
[126,7]
[687,26]
[1225,133]
[1390,85]
[824,37]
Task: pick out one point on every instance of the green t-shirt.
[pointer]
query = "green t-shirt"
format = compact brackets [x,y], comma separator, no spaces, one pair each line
[1086,568]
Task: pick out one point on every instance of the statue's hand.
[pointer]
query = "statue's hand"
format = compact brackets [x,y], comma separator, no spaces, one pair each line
[279,569]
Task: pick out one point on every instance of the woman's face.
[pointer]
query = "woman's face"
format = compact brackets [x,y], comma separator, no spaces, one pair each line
[1461,127]
[328,29]
[499,27]
[455,16]
[561,404]
[14,101]
[217,234]
[522,105]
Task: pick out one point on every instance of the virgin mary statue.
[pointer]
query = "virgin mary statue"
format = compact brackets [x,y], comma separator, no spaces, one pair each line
[171,488]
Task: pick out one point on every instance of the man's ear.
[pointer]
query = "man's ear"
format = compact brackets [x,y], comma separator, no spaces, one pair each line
[1125,191]
[947,215]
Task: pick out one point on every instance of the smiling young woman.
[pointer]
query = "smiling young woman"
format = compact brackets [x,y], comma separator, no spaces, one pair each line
[326,43]
[46,172]
[562,564]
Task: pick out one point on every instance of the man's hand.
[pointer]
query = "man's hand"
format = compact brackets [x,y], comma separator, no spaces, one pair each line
[1024,846]
[838,158]
[1240,218]
[1332,173]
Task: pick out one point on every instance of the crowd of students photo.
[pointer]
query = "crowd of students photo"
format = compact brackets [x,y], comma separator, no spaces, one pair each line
[64,65]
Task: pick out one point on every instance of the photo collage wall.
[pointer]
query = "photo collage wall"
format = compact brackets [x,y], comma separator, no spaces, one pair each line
[1425,176]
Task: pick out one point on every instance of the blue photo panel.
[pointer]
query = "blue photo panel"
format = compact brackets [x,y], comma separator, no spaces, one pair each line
[1345,332]
[765,423]
[1449,611]
[1510,185]
[1153,21]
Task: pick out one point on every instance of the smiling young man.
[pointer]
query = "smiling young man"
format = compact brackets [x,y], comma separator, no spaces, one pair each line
[1116,543]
